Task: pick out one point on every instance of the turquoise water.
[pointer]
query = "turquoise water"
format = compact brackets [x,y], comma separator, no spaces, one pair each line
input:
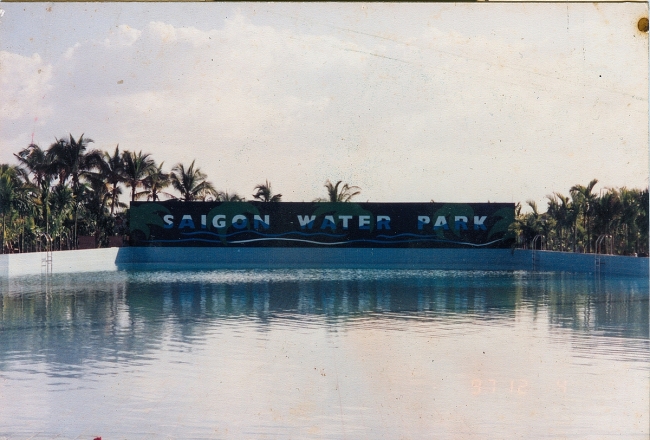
[324,354]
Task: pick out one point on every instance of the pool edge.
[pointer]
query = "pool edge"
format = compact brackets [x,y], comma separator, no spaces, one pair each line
[128,258]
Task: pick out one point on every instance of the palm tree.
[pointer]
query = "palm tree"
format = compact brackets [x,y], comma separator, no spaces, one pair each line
[61,202]
[575,212]
[70,159]
[586,200]
[531,224]
[264,194]
[155,182]
[15,197]
[111,170]
[191,183]
[136,170]
[25,208]
[99,220]
[345,194]
[630,210]
[225,197]
[8,182]
[35,161]
[559,209]
[607,212]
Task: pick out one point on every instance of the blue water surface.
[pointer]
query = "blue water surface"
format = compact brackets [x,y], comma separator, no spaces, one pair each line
[324,354]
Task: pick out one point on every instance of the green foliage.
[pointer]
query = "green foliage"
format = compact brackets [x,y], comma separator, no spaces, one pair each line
[503,225]
[575,222]
[137,167]
[143,216]
[191,183]
[155,182]
[66,190]
[265,194]
[337,193]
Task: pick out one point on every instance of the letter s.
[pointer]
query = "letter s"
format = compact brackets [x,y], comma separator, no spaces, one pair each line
[169,221]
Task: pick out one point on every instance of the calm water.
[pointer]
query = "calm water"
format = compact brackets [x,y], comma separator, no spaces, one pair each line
[324,354]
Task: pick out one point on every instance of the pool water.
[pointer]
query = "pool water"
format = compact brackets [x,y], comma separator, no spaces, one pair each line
[324,354]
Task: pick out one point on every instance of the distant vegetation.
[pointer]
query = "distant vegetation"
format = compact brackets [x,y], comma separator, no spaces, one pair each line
[616,221]
[338,193]
[69,190]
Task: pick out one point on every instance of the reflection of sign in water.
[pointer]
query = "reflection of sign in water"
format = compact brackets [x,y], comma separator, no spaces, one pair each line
[286,224]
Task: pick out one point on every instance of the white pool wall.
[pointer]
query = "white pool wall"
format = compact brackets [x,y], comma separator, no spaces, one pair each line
[113,259]
[33,263]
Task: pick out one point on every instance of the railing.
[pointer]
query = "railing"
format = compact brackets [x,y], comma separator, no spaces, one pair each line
[533,246]
[608,241]
[46,261]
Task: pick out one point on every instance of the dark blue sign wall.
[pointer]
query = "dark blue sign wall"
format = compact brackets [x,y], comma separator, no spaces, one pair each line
[287,224]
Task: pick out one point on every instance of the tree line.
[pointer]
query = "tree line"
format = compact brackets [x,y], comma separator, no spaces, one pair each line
[614,220]
[69,190]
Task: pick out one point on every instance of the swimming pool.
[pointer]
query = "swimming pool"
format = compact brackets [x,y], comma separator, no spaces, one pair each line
[312,353]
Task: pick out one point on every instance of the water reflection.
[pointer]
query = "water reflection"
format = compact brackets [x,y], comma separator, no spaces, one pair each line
[121,315]
[324,354]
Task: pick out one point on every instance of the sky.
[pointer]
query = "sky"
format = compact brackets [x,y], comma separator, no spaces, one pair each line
[467,102]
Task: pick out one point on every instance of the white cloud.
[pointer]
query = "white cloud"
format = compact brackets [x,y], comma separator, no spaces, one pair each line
[24,82]
[440,114]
